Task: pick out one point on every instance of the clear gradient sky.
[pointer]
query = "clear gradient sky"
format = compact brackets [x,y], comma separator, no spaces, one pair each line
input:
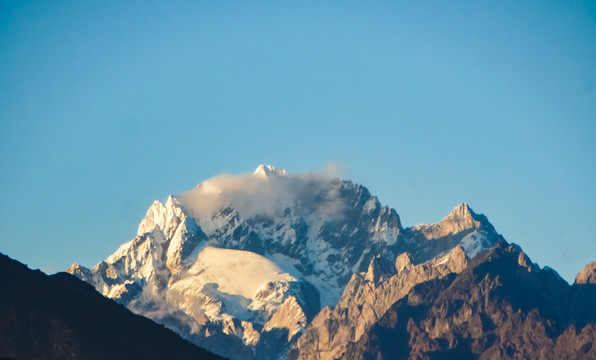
[106,106]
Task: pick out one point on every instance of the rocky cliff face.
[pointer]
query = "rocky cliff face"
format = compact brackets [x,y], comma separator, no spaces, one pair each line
[242,264]
[500,306]
[366,298]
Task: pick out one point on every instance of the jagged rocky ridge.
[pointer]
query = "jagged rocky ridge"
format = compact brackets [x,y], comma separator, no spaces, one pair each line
[366,298]
[305,236]
[501,306]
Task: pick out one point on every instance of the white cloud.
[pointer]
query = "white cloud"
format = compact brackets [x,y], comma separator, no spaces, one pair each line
[253,195]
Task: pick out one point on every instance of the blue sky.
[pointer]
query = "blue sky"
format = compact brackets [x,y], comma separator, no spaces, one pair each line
[105,107]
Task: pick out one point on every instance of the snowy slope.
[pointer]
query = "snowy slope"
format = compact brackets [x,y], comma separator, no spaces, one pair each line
[236,272]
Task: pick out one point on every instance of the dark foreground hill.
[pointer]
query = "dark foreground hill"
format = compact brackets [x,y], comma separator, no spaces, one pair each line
[62,317]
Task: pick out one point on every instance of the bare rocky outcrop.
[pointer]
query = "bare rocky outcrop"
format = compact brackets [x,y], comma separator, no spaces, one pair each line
[587,275]
[364,301]
[502,306]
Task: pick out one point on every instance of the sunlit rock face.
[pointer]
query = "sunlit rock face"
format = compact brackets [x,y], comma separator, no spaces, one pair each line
[499,306]
[242,264]
[587,275]
[366,298]
[462,226]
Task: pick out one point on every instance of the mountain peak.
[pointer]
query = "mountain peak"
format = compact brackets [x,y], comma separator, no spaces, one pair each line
[462,216]
[266,171]
[587,275]
[461,211]
[379,270]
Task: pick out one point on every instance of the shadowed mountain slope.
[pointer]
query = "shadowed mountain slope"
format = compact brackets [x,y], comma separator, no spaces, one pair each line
[62,317]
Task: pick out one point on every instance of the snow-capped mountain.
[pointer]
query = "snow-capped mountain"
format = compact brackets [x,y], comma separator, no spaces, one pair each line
[242,264]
